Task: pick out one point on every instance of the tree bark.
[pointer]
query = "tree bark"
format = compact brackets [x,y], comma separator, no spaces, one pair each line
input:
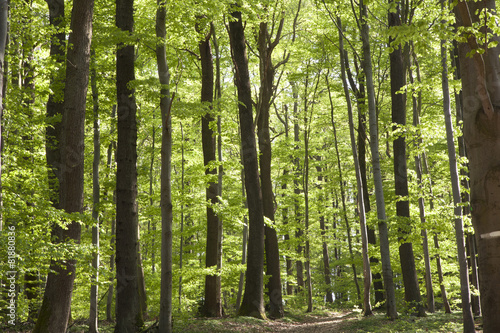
[94,291]
[359,181]
[128,307]
[253,301]
[377,174]
[266,92]
[468,319]
[212,306]
[406,256]
[55,309]
[165,317]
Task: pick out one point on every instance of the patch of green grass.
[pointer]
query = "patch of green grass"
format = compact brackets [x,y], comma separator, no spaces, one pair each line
[378,323]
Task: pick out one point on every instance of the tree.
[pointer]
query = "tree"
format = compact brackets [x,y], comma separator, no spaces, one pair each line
[128,311]
[480,96]
[165,317]
[377,174]
[55,310]
[266,95]
[398,98]
[212,305]
[253,302]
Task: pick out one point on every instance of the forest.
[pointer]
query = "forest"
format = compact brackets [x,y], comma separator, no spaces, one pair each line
[247,163]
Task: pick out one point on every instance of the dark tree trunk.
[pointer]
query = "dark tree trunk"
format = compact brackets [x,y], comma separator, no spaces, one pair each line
[55,103]
[165,317]
[94,291]
[128,308]
[406,256]
[253,301]
[55,311]
[267,71]
[212,306]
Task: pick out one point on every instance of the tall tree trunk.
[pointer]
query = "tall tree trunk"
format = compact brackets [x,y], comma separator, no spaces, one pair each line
[377,174]
[468,318]
[266,92]
[55,103]
[55,310]
[359,181]
[94,291]
[244,244]
[326,255]
[212,306]
[417,107]
[165,317]
[464,175]
[406,256]
[480,86]
[128,307]
[253,299]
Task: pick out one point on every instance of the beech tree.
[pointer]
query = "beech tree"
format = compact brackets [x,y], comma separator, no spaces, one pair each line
[55,311]
[253,302]
[479,69]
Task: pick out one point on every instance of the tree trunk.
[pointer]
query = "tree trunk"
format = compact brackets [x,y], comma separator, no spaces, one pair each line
[326,256]
[406,256]
[359,181]
[212,306]
[266,92]
[377,174]
[253,301]
[243,246]
[55,310]
[468,318]
[480,82]
[165,317]
[417,107]
[128,307]
[55,104]
[94,291]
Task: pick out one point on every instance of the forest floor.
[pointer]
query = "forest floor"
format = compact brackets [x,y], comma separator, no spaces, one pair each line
[320,321]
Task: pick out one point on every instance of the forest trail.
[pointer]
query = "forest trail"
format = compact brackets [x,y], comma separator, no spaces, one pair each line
[316,324]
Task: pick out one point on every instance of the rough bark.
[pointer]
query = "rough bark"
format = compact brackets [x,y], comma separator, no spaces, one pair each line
[376,169]
[165,317]
[253,301]
[55,310]
[128,308]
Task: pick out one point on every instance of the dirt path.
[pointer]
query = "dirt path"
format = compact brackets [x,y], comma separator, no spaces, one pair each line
[317,324]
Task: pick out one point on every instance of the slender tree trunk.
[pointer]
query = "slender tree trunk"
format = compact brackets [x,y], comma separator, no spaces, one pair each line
[266,92]
[468,318]
[109,300]
[377,174]
[165,317]
[212,306]
[326,256]
[253,301]
[244,244]
[359,180]
[128,307]
[406,256]
[55,103]
[181,244]
[55,310]
[343,195]
[417,106]
[94,291]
